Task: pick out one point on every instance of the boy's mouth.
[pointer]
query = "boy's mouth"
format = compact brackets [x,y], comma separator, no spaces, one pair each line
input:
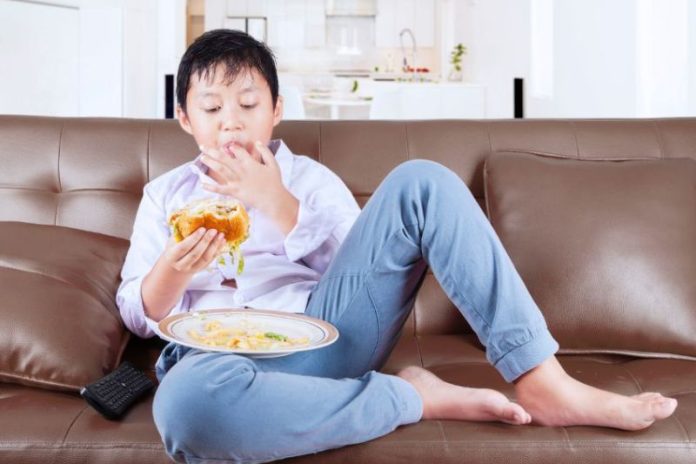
[227,148]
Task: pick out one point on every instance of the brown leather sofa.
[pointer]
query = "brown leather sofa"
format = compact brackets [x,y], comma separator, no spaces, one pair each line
[69,189]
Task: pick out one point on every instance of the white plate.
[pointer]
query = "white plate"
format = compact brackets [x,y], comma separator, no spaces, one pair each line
[320,333]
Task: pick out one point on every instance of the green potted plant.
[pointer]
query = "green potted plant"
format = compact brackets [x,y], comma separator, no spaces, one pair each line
[458,51]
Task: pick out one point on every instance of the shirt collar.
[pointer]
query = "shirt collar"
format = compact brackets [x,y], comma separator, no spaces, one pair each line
[283,157]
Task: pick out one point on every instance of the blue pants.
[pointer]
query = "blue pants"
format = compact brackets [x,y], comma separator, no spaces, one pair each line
[213,407]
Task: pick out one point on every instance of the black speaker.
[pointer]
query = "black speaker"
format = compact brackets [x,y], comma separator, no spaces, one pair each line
[518,92]
[169,96]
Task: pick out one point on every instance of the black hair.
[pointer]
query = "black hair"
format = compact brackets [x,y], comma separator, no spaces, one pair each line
[236,50]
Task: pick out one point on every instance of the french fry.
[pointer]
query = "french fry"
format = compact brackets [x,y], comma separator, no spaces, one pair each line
[243,337]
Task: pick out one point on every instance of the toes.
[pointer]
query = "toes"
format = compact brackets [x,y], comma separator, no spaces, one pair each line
[647,396]
[663,407]
[513,413]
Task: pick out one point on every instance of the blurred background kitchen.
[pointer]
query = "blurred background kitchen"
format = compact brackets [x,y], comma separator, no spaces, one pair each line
[362,59]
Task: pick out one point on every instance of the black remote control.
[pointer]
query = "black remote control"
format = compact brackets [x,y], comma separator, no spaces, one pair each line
[114,393]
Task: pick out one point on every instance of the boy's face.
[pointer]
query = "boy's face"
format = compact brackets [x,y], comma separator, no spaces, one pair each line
[220,113]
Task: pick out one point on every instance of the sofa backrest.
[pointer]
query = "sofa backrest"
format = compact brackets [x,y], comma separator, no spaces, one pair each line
[88,173]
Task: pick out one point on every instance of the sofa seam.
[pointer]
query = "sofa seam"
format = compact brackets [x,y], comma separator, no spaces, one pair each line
[61,386]
[633,377]
[485,192]
[575,137]
[72,423]
[78,190]
[455,364]
[566,435]
[319,157]
[442,432]
[418,348]
[684,392]
[414,325]
[80,445]
[147,153]
[634,355]
[392,443]
[658,135]
[681,425]
[60,183]
[60,149]
[490,141]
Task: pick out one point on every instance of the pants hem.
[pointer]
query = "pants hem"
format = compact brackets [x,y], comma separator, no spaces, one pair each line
[527,356]
[412,405]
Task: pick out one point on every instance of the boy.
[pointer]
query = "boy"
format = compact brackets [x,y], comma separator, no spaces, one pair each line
[312,250]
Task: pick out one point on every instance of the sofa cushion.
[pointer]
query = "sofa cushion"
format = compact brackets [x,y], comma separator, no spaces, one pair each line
[60,327]
[75,433]
[606,248]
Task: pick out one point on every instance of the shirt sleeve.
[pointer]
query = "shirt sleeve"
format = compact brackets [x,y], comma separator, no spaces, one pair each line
[149,238]
[326,214]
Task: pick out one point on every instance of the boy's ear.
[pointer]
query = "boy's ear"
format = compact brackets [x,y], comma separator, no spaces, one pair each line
[183,119]
[278,112]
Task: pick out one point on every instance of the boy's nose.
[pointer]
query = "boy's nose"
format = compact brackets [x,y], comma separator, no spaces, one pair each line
[230,119]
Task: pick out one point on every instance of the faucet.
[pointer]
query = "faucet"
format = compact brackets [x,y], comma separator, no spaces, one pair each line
[413,52]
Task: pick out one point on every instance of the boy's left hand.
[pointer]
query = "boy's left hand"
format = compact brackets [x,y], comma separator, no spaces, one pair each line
[257,185]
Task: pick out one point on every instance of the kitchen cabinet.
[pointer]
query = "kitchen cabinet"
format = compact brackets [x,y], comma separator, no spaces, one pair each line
[289,23]
[424,23]
[81,58]
[395,15]
[248,16]
[398,100]
[427,100]
[246,8]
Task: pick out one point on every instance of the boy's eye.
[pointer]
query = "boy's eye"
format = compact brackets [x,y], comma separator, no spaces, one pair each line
[248,107]
[211,109]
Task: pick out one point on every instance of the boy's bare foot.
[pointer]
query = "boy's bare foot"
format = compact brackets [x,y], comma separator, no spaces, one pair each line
[442,400]
[554,398]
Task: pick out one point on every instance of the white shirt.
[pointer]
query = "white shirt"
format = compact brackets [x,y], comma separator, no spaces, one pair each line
[280,271]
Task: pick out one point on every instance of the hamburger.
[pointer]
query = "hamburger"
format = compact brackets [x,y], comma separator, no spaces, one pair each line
[224,215]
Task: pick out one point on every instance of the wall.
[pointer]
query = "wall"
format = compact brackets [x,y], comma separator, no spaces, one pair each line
[38,76]
[171,43]
[618,58]
[139,68]
[497,34]
[61,57]
[595,58]
[85,57]
[692,56]
[663,71]
[624,58]
[306,41]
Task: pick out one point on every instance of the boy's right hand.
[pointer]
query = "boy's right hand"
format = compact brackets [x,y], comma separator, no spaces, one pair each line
[195,252]
[163,286]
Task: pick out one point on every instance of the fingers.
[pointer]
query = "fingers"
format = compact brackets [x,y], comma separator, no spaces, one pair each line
[238,174]
[266,154]
[241,157]
[241,154]
[217,160]
[189,260]
[192,258]
[215,188]
[225,168]
[212,251]
[179,249]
